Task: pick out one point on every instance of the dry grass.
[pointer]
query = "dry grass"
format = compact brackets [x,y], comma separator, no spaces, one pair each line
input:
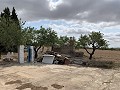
[106,55]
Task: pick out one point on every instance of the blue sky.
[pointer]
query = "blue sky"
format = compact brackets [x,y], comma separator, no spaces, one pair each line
[71,17]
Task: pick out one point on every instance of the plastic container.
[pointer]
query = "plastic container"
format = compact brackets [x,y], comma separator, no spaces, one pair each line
[48,59]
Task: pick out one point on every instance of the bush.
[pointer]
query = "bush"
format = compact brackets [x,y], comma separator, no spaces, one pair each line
[117,65]
[101,64]
[78,54]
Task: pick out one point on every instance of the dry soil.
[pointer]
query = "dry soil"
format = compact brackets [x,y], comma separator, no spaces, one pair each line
[57,77]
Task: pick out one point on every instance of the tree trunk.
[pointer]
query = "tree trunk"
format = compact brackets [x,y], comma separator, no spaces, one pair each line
[90,56]
[36,51]
[36,55]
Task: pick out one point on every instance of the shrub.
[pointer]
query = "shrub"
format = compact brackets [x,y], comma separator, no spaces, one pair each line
[101,64]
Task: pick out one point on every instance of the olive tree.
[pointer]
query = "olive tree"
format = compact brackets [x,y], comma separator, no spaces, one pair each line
[93,40]
[63,40]
[39,38]
[44,37]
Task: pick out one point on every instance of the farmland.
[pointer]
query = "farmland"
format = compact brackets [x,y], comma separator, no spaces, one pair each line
[107,55]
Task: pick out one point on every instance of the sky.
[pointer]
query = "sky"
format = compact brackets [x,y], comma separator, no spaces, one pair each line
[71,17]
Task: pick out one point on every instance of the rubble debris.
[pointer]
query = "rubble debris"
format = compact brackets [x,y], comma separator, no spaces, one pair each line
[78,54]
[7,60]
[39,59]
[66,59]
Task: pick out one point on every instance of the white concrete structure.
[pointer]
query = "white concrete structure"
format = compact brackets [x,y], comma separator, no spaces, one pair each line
[32,53]
[21,54]
[8,56]
[48,59]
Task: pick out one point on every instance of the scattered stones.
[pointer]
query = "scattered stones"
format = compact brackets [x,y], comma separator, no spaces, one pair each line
[8,60]
[29,85]
[66,61]
[14,82]
[57,86]
[26,85]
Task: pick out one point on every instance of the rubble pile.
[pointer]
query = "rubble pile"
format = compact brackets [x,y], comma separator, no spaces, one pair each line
[65,59]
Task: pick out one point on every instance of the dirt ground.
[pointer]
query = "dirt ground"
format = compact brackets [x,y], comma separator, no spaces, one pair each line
[105,55]
[57,77]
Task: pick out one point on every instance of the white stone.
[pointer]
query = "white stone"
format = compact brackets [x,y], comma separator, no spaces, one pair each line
[8,55]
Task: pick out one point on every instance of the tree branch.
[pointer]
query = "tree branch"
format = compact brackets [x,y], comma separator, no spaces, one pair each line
[38,48]
[87,50]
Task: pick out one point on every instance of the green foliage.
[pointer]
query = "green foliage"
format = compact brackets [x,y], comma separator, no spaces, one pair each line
[14,15]
[62,40]
[10,36]
[28,35]
[52,37]
[39,38]
[94,40]
[83,41]
[46,37]
[10,32]
[6,13]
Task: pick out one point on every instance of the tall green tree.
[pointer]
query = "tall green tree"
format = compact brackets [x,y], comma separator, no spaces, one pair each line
[14,15]
[94,40]
[10,36]
[5,13]
[10,31]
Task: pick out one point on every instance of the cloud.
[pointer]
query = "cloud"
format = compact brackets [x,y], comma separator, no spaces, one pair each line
[114,37]
[88,10]
[71,17]
[79,31]
[79,10]
[31,10]
[118,35]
